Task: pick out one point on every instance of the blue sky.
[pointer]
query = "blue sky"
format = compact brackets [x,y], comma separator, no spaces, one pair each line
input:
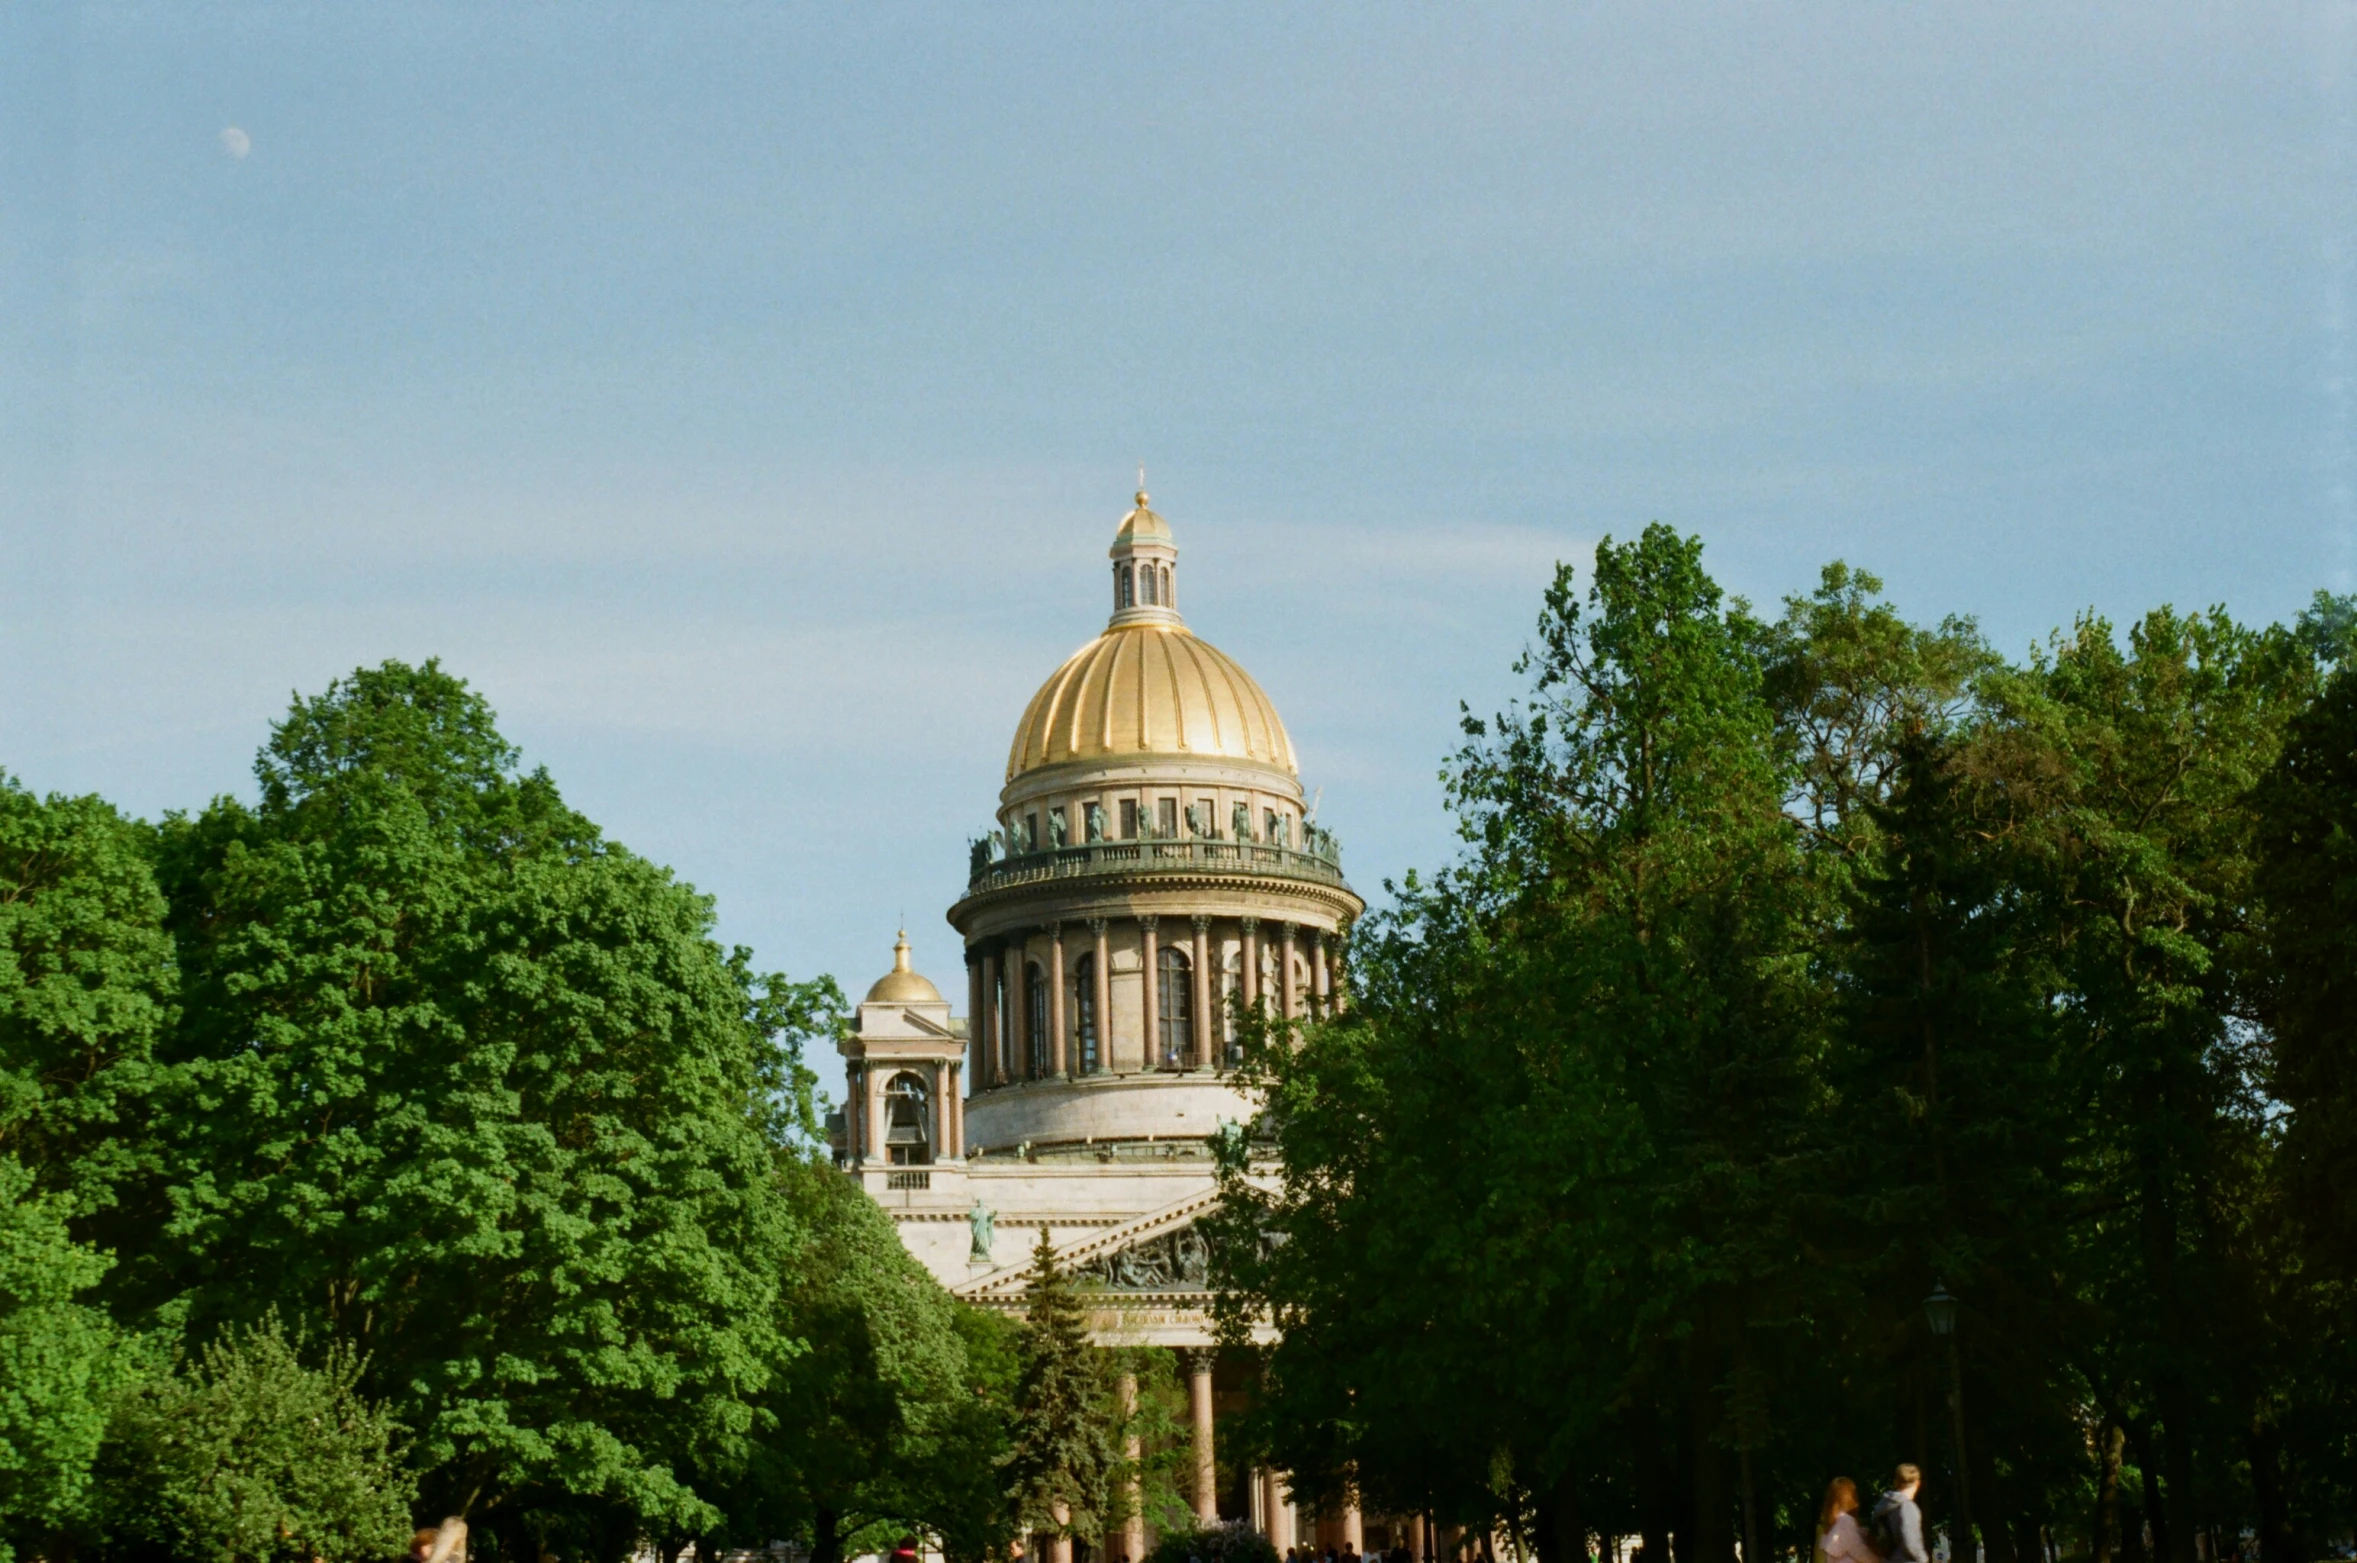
[743,397]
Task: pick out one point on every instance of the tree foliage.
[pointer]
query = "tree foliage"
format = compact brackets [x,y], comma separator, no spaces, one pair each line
[1066,1465]
[87,984]
[1790,968]
[246,1455]
[60,1361]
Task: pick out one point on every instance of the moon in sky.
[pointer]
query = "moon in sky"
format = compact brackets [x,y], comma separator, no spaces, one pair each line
[236,142]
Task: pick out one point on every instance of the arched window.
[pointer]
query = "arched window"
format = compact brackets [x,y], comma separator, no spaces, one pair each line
[1084,1013]
[1168,601]
[1035,1010]
[1174,994]
[1151,598]
[908,1139]
[1127,596]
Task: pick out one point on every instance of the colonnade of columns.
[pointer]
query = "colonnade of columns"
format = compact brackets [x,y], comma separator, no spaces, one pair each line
[1270,1504]
[1000,996]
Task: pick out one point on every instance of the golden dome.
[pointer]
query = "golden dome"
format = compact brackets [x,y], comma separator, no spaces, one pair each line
[1149,689]
[902,985]
[1142,526]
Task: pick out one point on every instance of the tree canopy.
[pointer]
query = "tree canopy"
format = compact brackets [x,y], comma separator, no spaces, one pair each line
[1791,968]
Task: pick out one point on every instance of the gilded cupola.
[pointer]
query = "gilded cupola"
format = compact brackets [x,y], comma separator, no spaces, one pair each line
[1148,685]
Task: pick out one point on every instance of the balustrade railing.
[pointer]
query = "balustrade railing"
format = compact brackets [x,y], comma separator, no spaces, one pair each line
[1193,855]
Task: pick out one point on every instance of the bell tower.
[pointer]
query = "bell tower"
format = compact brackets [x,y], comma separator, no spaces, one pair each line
[904,1059]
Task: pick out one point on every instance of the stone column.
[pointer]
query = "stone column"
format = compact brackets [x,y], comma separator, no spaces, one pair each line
[976,1028]
[1133,1529]
[1354,1534]
[1059,1038]
[1321,974]
[1251,926]
[1203,1015]
[1060,1544]
[1288,995]
[875,1112]
[1102,980]
[993,1060]
[1198,1365]
[1415,1541]
[1282,1531]
[954,1103]
[1019,1012]
[1151,949]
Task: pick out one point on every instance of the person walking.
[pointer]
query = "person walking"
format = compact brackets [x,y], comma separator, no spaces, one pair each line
[1838,1538]
[1898,1524]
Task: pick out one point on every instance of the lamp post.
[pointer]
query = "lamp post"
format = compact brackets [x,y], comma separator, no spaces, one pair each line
[1939,1310]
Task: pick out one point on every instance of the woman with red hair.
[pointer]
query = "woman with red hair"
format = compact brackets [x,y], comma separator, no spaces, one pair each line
[1838,1538]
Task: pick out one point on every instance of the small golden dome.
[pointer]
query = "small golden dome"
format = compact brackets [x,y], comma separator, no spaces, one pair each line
[1142,526]
[1141,689]
[902,985]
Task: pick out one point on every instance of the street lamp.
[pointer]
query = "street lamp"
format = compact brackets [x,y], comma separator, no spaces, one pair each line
[1939,1310]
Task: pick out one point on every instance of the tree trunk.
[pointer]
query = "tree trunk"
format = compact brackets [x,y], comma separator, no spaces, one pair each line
[2107,1496]
[826,1536]
[1992,1504]
[1751,1524]
[2279,1539]
[2177,1451]
[1563,1529]
[1654,1504]
[2157,1500]
[1713,1530]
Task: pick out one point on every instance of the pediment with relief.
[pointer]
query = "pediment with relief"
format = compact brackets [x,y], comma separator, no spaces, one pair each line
[1176,1260]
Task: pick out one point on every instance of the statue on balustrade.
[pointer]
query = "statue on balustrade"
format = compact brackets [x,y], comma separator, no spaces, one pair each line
[1243,822]
[1096,823]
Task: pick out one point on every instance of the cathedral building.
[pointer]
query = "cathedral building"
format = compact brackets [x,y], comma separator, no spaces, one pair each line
[1152,867]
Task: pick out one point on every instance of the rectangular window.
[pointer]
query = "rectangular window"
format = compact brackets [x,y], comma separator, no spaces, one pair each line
[1206,816]
[1031,833]
[1129,819]
[1269,826]
[1166,818]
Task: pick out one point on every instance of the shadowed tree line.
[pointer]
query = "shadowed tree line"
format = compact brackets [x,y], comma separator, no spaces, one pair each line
[1793,966]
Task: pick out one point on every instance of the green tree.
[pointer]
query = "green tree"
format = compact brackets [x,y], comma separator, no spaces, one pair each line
[86,987]
[2300,1441]
[1066,1462]
[472,1088]
[892,1418]
[1575,1114]
[2141,852]
[2308,879]
[247,1456]
[60,1361]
